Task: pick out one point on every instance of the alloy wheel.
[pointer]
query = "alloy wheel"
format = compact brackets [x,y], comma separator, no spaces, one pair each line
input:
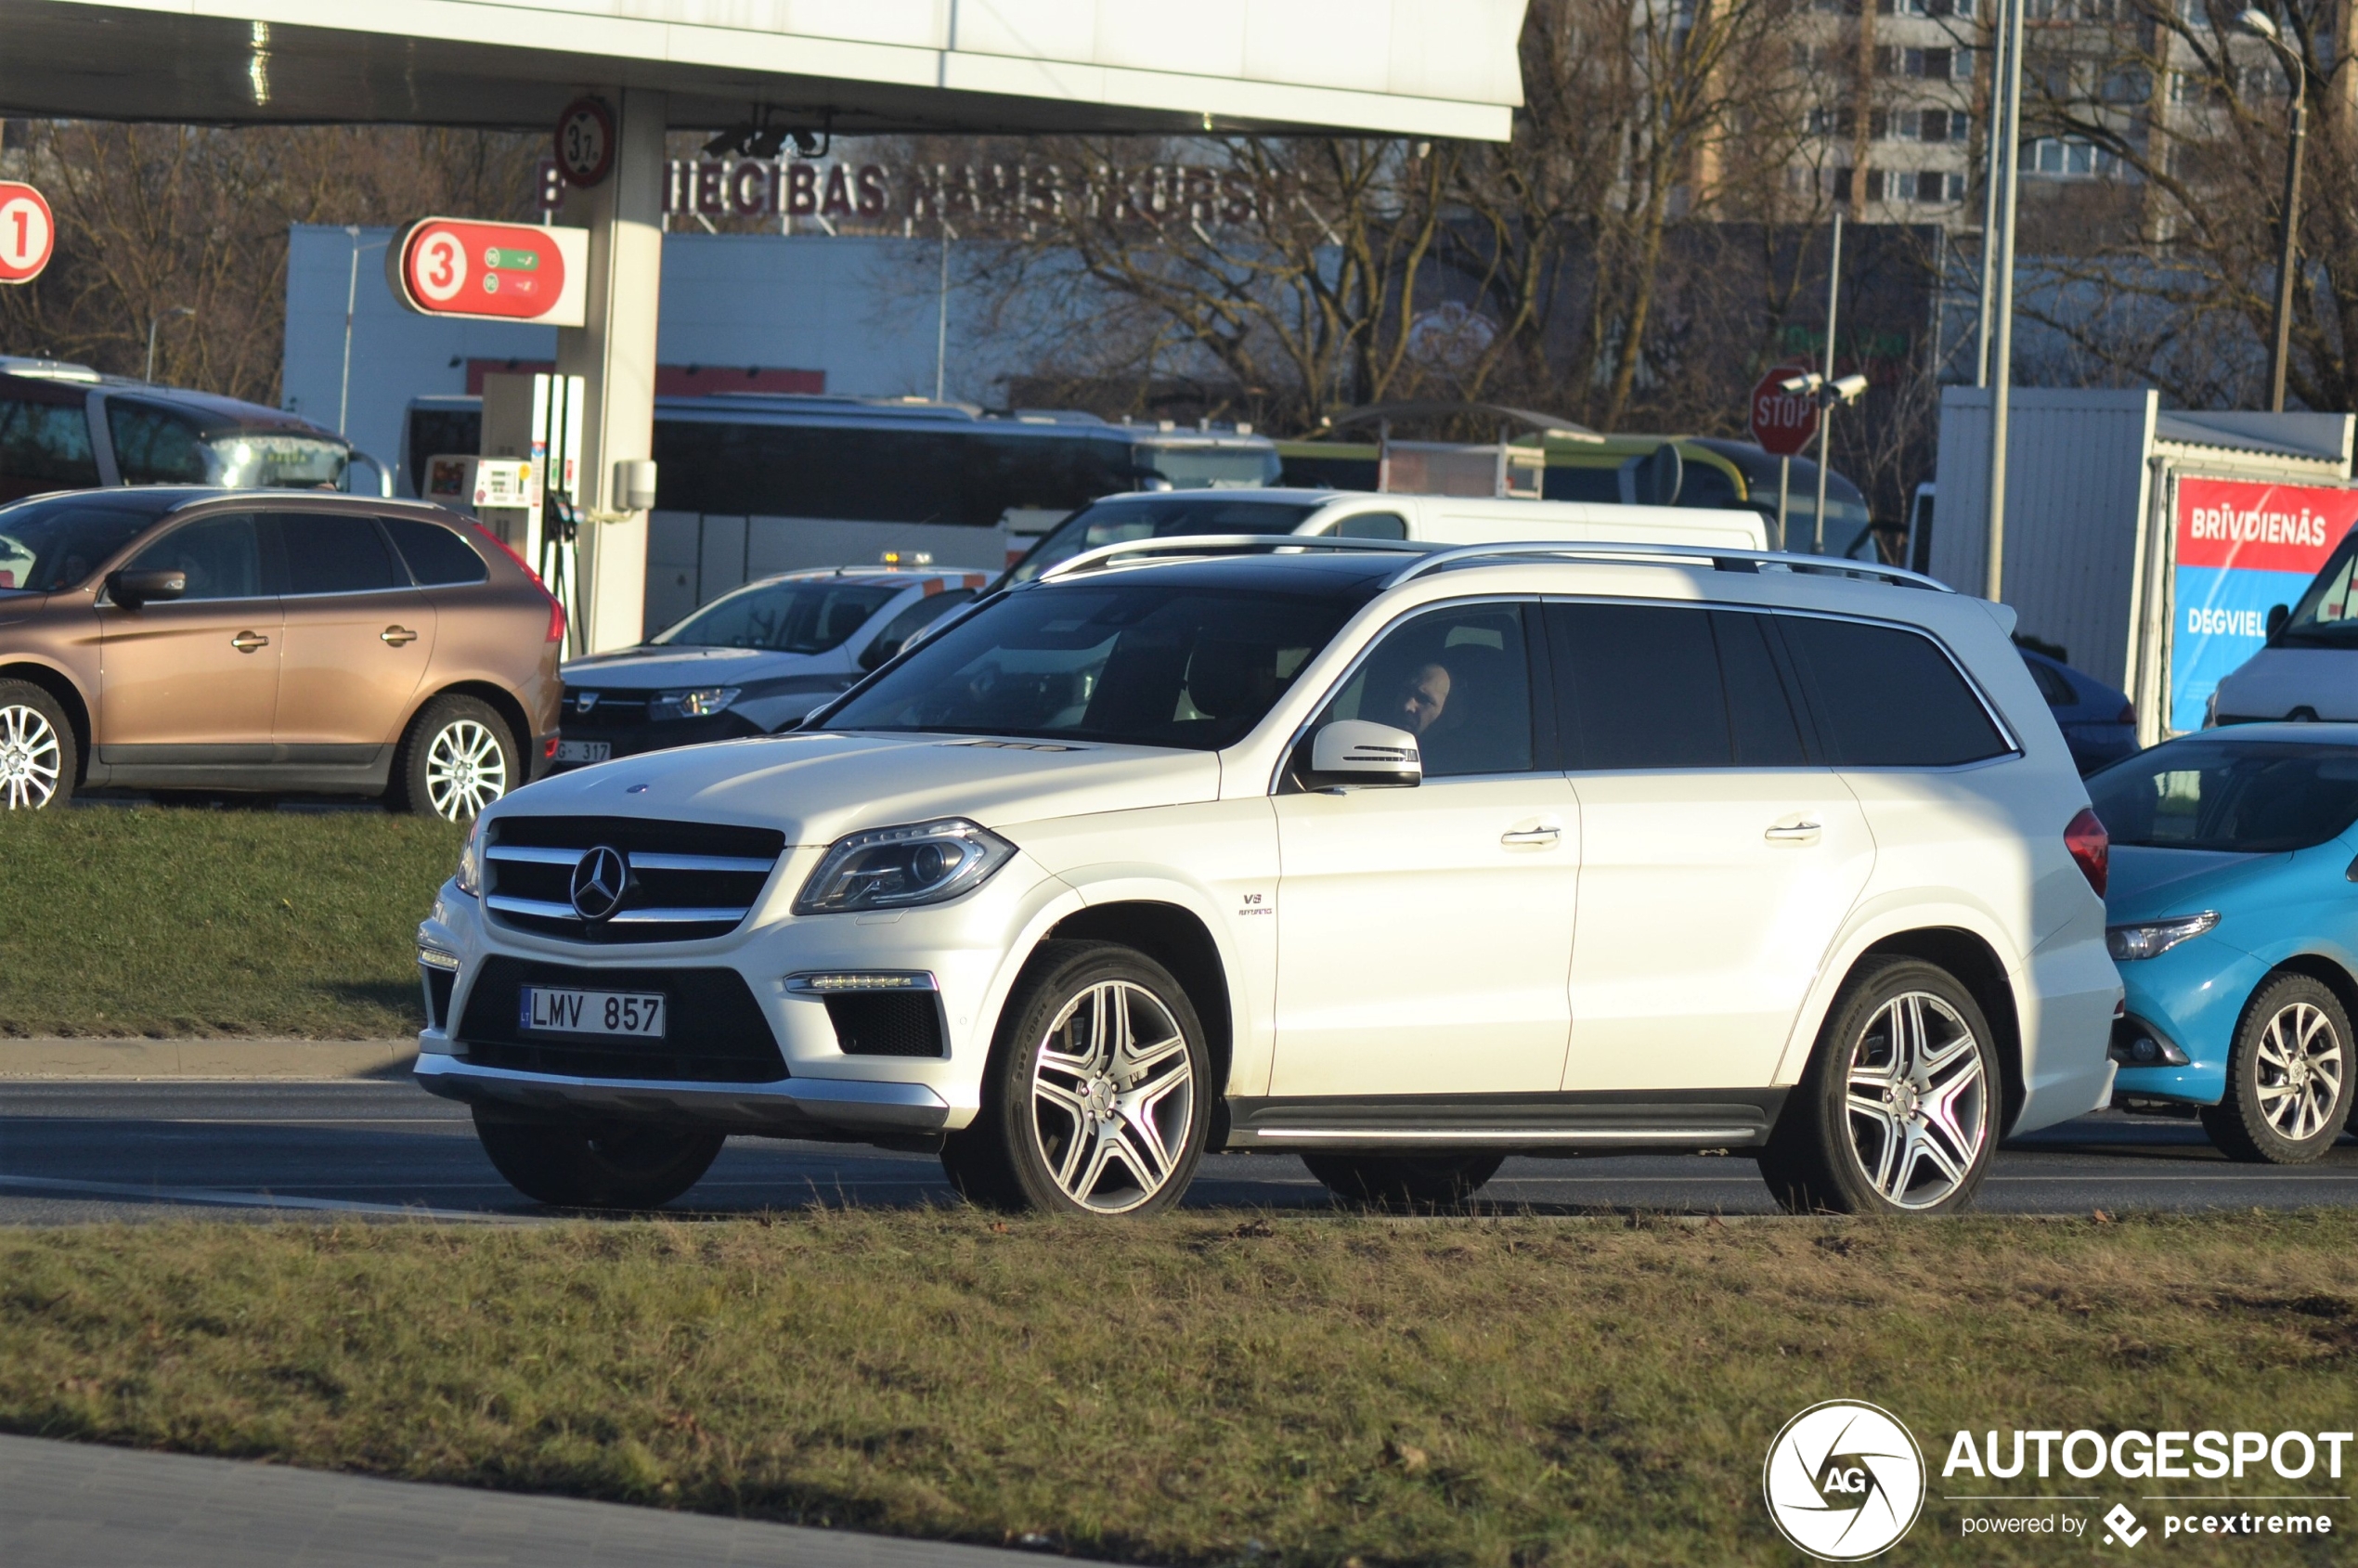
[1917,1100]
[1113,1095]
[31,759]
[465,770]
[2301,1063]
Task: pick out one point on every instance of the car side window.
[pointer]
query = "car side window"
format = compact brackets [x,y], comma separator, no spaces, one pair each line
[910,622]
[156,445]
[45,445]
[437,557]
[333,552]
[1887,696]
[1372,525]
[1670,686]
[1460,680]
[221,555]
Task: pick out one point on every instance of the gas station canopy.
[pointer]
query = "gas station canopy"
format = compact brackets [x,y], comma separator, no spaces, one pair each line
[1423,68]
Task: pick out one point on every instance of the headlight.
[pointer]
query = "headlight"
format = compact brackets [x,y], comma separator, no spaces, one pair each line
[900,867]
[2156,937]
[470,877]
[702,702]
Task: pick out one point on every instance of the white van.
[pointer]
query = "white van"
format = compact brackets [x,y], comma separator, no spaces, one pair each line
[1367,514]
[2309,667]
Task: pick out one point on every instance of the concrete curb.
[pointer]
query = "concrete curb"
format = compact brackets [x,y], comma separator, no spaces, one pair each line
[206,1059]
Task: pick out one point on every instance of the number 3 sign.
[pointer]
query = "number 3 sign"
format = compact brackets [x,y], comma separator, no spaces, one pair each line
[27,234]
[585,141]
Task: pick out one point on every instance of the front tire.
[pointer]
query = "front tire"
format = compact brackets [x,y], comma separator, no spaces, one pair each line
[456,759]
[37,757]
[595,1164]
[2288,1076]
[1417,1184]
[1899,1110]
[1096,1095]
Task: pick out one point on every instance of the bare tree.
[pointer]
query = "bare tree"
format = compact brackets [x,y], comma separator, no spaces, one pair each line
[154,219]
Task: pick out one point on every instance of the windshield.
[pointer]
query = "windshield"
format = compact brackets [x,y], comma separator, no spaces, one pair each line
[1120,522]
[788,617]
[1200,466]
[2251,796]
[1129,664]
[53,542]
[240,462]
[2326,618]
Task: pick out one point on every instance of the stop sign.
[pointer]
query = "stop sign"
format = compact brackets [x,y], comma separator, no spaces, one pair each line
[27,234]
[1782,421]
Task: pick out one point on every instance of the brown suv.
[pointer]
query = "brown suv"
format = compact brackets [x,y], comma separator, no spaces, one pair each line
[202,639]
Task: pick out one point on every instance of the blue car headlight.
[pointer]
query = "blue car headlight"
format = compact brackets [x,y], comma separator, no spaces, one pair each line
[902,867]
[2152,937]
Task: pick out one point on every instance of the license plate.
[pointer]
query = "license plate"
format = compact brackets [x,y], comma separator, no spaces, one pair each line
[584,751]
[551,1011]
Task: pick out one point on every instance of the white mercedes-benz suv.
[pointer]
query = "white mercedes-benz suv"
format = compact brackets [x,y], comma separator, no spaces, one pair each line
[1397,858]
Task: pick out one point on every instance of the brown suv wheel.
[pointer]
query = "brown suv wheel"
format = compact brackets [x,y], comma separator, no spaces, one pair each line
[36,748]
[457,759]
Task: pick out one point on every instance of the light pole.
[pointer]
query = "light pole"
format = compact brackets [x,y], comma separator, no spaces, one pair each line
[155,321]
[2005,122]
[2258,23]
[1830,395]
[351,302]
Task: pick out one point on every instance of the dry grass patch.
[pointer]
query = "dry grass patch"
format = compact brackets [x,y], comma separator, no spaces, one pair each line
[1193,1390]
[161,922]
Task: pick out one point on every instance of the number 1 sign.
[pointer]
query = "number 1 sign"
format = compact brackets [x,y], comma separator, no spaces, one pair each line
[27,234]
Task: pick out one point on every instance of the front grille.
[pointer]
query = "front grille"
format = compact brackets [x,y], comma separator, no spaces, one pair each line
[888,1023]
[686,879]
[611,710]
[714,1028]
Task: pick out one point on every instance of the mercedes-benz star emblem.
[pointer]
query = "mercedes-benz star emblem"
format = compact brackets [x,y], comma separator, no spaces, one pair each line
[599,879]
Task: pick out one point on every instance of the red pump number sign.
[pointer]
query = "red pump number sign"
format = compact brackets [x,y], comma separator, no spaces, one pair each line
[491,271]
[27,234]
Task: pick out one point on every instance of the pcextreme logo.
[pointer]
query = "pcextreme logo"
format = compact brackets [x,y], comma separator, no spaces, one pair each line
[1844,1481]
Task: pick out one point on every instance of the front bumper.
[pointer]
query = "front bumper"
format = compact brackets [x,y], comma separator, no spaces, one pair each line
[2192,996]
[791,1108]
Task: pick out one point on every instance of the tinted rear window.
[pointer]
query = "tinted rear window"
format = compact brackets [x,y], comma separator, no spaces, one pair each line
[1658,686]
[437,556]
[1887,697]
[333,552]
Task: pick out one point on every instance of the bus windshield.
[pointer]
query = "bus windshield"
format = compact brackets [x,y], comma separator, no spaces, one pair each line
[1119,522]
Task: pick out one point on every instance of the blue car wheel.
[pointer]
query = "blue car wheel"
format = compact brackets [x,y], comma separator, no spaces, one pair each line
[2288,1076]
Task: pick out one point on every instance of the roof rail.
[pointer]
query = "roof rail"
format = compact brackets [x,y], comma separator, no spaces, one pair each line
[1221,544]
[1667,554]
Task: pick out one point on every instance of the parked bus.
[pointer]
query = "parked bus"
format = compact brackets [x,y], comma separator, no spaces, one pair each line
[752,484]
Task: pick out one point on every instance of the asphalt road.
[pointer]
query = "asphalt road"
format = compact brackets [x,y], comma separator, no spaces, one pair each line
[78,1151]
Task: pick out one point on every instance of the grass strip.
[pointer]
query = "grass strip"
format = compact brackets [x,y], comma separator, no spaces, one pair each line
[1193,1390]
[161,922]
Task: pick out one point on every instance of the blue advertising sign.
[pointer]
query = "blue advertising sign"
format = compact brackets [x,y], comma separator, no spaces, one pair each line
[2243,547]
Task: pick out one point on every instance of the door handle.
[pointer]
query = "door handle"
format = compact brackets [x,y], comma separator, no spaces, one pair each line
[247,641]
[1543,836]
[396,635]
[1794,832]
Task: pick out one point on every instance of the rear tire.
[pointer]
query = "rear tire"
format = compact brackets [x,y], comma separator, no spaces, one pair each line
[1420,1183]
[1097,1092]
[2288,1076]
[1899,1110]
[457,758]
[598,1164]
[38,758]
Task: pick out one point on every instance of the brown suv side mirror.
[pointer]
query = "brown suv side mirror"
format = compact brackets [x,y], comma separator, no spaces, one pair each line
[132,590]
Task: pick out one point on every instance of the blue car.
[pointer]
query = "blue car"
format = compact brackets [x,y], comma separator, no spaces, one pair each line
[2233,914]
[2099,723]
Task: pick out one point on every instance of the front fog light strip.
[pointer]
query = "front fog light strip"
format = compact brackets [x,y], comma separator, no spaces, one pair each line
[837,983]
[435,958]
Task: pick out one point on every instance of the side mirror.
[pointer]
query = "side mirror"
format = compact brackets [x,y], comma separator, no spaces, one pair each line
[875,654]
[132,590]
[2277,615]
[1357,751]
